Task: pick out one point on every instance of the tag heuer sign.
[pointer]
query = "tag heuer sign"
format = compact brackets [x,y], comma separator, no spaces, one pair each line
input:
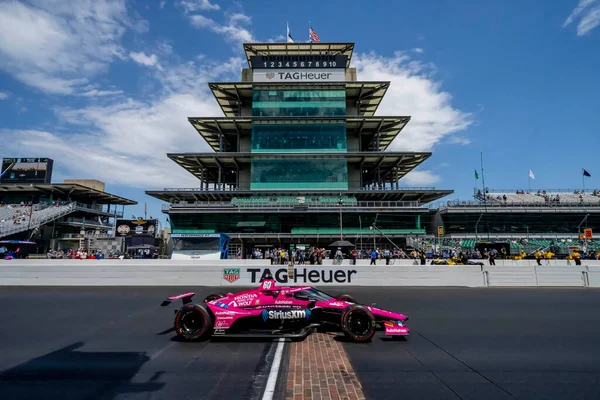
[299,75]
[231,274]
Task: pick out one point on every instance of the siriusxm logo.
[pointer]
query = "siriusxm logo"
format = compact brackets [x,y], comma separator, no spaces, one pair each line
[285,314]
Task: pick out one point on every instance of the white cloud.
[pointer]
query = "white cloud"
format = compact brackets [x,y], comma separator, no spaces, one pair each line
[195,5]
[277,39]
[100,93]
[239,18]
[413,93]
[56,46]
[143,59]
[3,95]
[418,50]
[459,140]
[232,30]
[589,11]
[125,141]
[420,178]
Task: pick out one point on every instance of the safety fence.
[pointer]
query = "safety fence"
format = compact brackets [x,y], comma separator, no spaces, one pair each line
[234,273]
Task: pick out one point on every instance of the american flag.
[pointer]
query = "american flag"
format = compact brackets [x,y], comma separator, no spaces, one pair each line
[313,36]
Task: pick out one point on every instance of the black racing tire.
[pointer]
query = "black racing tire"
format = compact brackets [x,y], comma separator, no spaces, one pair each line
[193,322]
[358,323]
[213,296]
[346,297]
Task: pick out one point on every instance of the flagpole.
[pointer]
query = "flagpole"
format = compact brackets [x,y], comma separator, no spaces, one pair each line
[582,180]
[529,190]
[484,197]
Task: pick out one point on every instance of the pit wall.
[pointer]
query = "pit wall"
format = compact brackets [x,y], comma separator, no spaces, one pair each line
[236,273]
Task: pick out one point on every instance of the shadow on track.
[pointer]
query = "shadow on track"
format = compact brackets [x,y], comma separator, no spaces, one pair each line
[68,374]
[170,330]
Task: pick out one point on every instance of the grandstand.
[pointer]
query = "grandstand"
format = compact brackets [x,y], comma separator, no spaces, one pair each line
[78,213]
[547,219]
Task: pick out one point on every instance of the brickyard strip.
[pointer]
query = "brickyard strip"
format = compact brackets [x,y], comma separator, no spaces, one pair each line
[319,369]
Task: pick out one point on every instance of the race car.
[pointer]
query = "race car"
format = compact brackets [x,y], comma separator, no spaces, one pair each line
[282,311]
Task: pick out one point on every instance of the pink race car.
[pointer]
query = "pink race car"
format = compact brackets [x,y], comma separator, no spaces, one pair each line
[281,311]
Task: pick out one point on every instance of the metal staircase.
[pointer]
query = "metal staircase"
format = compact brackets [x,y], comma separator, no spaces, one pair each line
[38,218]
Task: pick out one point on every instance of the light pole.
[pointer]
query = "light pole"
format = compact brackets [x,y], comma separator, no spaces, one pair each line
[341,227]
[373,230]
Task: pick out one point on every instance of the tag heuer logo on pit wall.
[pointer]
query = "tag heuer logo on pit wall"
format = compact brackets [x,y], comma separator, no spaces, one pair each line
[270,75]
[231,274]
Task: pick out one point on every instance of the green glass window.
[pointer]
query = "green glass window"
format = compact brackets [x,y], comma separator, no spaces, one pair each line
[298,103]
[308,223]
[298,173]
[298,138]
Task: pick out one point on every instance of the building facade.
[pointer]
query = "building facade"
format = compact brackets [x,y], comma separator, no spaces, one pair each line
[299,157]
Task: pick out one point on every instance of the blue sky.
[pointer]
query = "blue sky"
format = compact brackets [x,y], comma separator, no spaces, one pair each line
[105,87]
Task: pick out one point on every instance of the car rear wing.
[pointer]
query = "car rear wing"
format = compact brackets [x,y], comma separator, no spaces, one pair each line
[185,297]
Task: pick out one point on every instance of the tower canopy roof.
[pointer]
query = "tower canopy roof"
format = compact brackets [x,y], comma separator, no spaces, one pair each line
[231,96]
[276,49]
[212,129]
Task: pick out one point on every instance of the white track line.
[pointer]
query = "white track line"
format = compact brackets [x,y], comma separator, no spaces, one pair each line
[272,380]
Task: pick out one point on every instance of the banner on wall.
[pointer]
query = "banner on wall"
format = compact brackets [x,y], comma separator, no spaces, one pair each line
[136,227]
[299,75]
[251,276]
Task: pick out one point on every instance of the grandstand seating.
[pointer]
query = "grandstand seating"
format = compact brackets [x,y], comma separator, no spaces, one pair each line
[292,201]
[542,198]
[41,214]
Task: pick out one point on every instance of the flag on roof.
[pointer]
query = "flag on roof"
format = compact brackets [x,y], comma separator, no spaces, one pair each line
[585,173]
[313,35]
[289,36]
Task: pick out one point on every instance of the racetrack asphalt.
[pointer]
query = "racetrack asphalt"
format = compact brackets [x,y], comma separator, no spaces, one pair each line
[117,343]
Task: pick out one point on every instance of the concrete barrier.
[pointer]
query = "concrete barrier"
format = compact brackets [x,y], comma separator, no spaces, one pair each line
[235,273]
[560,276]
[510,276]
[593,276]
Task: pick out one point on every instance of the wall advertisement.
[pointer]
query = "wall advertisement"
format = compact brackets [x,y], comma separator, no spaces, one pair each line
[318,275]
[299,75]
[196,255]
[136,227]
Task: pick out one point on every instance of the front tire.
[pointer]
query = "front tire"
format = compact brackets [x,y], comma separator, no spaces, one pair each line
[358,323]
[193,322]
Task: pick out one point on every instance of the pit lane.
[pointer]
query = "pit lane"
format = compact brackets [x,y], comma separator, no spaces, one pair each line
[117,343]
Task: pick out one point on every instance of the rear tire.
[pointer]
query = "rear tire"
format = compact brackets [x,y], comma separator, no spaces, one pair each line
[214,296]
[193,322]
[358,323]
